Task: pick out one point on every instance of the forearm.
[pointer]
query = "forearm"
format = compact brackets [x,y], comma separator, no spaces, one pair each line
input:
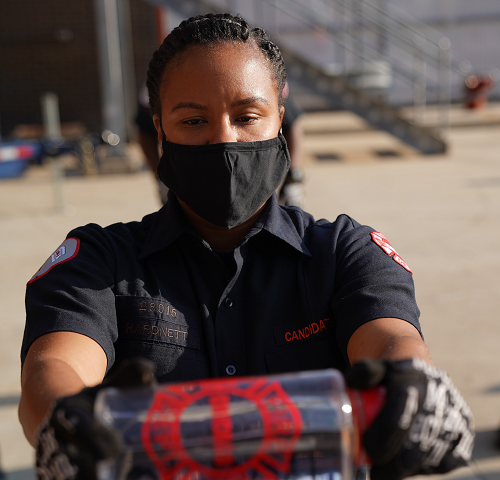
[398,348]
[387,338]
[46,381]
[57,365]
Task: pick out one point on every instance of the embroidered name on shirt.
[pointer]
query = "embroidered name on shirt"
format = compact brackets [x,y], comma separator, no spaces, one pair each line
[153,307]
[384,244]
[157,321]
[162,331]
[311,329]
[317,330]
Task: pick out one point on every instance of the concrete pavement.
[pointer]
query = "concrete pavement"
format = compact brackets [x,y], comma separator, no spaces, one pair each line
[442,214]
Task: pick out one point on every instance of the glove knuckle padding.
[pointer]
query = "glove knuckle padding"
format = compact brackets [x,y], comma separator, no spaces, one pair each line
[424,427]
[52,463]
[389,431]
[71,439]
[87,433]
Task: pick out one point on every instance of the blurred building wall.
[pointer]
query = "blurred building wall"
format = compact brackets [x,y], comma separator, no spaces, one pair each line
[51,45]
[145,38]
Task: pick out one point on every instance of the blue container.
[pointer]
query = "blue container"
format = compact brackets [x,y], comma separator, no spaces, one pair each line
[14,157]
[13,168]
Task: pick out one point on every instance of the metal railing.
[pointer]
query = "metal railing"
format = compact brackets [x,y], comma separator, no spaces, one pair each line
[373,46]
[381,51]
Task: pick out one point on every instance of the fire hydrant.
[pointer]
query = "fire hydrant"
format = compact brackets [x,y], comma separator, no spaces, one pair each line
[477,88]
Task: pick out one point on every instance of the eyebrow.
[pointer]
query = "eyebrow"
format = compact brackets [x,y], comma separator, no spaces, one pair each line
[197,106]
[191,105]
[249,100]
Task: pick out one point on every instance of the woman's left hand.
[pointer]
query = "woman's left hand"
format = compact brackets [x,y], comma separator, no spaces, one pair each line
[425,426]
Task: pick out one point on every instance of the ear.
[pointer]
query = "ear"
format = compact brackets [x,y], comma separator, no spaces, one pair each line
[157,122]
[282,113]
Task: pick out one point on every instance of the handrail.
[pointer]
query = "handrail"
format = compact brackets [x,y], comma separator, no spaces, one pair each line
[414,40]
[423,30]
[401,34]
[302,14]
[440,41]
[422,44]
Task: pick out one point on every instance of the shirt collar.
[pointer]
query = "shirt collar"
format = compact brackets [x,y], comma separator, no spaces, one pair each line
[169,224]
[278,222]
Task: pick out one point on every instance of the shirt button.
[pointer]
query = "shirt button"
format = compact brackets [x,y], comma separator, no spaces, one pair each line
[228,302]
[230,369]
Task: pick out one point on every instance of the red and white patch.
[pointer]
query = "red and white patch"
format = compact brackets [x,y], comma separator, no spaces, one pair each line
[58,253]
[66,251]
[384,244]
[399,260]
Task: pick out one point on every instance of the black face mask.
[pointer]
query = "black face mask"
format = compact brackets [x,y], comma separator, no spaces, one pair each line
[224,183]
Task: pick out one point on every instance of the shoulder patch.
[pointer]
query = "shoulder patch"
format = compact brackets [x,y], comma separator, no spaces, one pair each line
[66,251]
[384,244]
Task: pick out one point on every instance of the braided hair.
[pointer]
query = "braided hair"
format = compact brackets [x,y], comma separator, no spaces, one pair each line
[210,29]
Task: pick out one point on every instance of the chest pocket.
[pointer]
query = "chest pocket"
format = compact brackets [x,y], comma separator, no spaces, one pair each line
[168,335]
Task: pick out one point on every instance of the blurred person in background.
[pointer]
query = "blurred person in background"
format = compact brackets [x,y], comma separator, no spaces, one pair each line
[232,274]
[148,139]
[292,190]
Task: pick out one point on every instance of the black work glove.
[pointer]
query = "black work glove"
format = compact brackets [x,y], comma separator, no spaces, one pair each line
[425,426]
[71,440]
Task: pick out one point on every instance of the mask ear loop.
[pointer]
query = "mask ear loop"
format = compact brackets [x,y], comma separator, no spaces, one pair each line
[164,138]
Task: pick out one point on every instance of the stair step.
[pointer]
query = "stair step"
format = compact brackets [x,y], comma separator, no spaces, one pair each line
[343,136]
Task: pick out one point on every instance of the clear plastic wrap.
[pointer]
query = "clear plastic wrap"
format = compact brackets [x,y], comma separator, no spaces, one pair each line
[290,426]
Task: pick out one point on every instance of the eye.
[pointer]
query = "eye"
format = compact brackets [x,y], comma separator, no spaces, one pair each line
[192,122]
[246,119]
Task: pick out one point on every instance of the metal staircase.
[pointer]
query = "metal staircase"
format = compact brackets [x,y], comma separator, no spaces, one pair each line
[357,55]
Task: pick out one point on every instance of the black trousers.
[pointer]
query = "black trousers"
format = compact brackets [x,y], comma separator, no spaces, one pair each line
[360,474]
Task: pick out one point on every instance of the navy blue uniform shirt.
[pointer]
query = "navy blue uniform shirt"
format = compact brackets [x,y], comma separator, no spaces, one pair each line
[288,298]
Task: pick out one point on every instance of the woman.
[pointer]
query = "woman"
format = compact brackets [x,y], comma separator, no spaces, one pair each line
[223,281]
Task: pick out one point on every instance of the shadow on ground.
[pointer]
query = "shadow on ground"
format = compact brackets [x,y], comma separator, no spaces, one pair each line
[484,446]
[9,400]
[474,474]
[24,474]
[493,389]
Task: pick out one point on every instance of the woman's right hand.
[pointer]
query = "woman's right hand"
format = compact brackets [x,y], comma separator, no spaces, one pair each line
[71,440]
